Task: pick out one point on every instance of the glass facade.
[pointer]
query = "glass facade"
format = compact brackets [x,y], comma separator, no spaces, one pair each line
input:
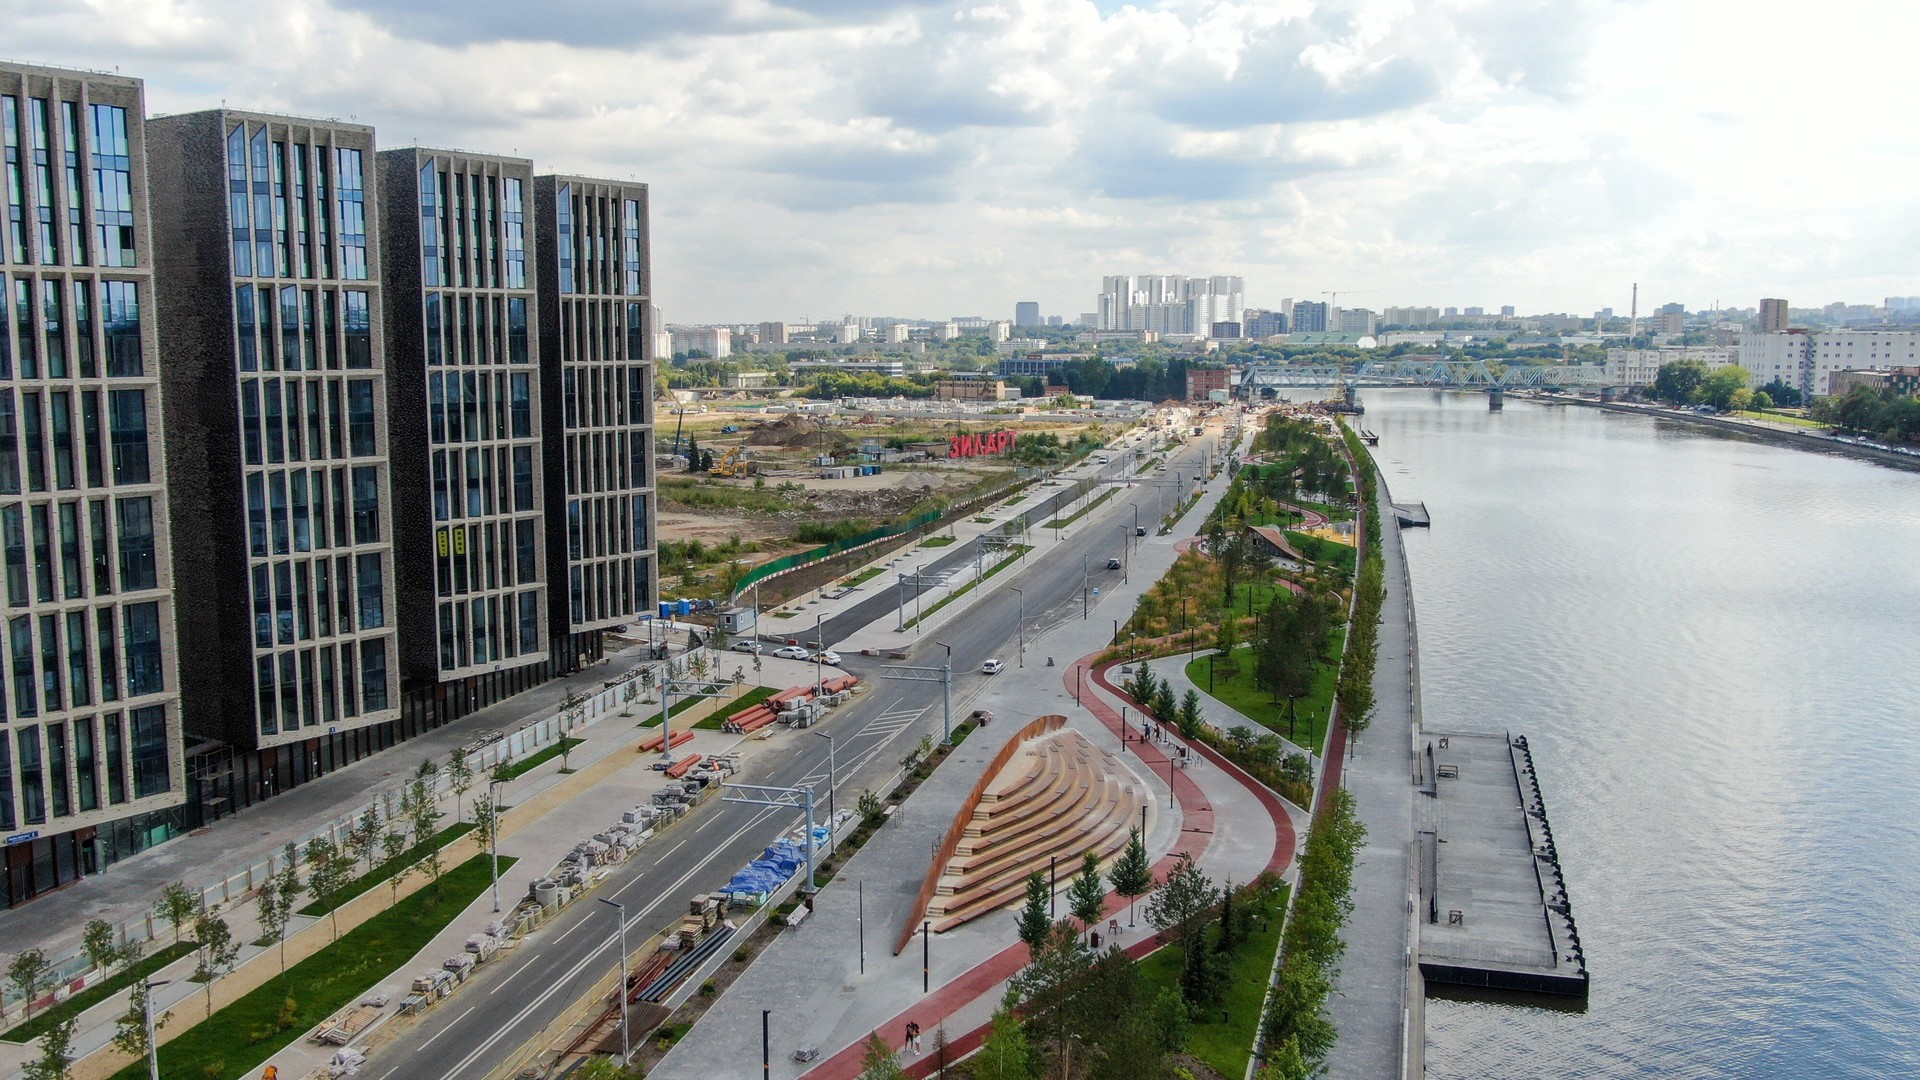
[89,726]
[311,430]
[482,407]
[599,233]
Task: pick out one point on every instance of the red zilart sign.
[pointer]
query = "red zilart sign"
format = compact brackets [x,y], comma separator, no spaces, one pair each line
[993,442]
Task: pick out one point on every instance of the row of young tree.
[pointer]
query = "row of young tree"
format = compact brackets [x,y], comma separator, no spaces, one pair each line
[406,836]
[1691,382]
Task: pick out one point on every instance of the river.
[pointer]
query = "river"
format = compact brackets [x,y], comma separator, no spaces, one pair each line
[1711,646]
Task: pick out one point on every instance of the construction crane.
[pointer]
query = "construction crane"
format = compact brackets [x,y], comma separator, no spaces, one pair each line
[1333,297]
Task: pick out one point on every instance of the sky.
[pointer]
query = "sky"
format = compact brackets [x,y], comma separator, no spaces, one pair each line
[924,159]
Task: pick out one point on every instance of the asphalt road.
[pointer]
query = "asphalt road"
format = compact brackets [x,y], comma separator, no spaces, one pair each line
[507,1003]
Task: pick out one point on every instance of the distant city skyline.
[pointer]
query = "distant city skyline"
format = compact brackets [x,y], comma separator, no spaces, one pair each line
[814,158]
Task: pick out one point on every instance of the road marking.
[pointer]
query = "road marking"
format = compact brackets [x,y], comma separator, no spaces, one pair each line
[506,979]
[569,930]
[449,1026]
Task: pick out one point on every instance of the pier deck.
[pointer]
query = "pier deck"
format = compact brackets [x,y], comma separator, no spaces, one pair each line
[1413,515]
[1493,910]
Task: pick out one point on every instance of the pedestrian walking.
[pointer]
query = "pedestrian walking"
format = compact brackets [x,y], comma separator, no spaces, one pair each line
[913,1038]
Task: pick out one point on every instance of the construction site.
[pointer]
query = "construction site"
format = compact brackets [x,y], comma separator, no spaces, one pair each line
[738,488]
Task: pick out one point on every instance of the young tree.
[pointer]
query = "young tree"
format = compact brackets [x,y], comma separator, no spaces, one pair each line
[1165,709]
[327,874]
[877,1060]
[1191,718]
[363,839]
[460,779]
[394,845]
[130,1027]
[217,948]
[96,940]
[275,908]
[287,884]
[1087,896]
[1132,874]
[573,713]
[1034,921]
[56,1051]
[177,905]
[486,818]
[1180,910]
[1006,1054]
[424,812]
[28,971]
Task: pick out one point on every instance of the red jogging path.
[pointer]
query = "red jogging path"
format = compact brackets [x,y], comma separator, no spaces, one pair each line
[1196,834]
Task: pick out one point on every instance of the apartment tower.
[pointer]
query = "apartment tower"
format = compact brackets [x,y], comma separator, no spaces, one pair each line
[271,312]
[91,744]
[594,286]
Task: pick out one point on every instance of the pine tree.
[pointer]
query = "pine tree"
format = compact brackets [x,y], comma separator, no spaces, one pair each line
[1034,922]
[1131,874]
[1087,896]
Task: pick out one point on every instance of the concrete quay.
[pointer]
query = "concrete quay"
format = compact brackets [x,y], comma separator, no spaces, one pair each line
[1493,909]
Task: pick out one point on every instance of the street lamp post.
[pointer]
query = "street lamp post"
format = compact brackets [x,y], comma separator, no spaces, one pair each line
[1126,558]
[946,696]
[832,774]
[1084,609]
[626,1052]
[1020,625]
[153,1050]
[493,839]
[819,646]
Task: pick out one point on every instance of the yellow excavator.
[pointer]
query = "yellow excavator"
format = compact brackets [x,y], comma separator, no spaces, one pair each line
[733,465]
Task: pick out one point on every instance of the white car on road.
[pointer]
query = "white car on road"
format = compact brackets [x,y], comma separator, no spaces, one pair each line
[792,652]
[745,645]
[828,656]
[992,667]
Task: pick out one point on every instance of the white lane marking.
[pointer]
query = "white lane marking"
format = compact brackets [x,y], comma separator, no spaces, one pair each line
[444,1030]
[504,981]
[569,930]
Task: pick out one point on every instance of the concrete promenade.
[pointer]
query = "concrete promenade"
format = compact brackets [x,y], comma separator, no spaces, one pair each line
[1377,1005]
[811,978]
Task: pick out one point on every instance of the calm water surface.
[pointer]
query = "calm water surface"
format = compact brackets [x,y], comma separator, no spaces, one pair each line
[1712,646]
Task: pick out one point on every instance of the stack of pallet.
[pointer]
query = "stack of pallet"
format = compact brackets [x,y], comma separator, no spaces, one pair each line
[703,914]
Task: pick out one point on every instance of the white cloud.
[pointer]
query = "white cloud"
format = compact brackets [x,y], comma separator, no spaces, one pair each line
[917,157]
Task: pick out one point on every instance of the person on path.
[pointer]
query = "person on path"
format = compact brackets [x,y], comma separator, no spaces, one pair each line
[913,1037]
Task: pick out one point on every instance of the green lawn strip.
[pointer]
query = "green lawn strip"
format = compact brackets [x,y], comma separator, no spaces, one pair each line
[1784,418]
[238,1038]
[1013,553]
[1061,523]
[864,576]
[96,993]
[1226,1045]
[746,701]
[1327,552]
[516,769]
[936,541]
[1241,695]
[384,870]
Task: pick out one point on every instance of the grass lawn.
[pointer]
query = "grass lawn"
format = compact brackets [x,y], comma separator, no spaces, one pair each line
[384,870]
[1326,552]
[936,541]
[1013,554]
[864,576]
[1239,694]
[97,992]
[746,701]
[1061,523]
[1784,418]
[238,1038]
[526,765]
[1228,1045]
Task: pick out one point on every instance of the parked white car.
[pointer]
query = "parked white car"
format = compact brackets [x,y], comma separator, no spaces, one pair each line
[992,667]
[792,652]
[745,645]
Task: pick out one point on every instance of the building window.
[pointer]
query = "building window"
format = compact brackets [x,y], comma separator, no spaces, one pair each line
[366,505]
[359,330]
[373,675]
[116,759]
[57,770]
[151,776]
[26,700]
[429,226]
[563,209]
[372,586]
[350,189]
[513,217]
[112,187]
[127,426]
[360,418]
[33,796]
[136,543]
[144,674]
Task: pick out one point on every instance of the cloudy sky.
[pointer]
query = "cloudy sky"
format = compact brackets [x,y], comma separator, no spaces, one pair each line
[925,158]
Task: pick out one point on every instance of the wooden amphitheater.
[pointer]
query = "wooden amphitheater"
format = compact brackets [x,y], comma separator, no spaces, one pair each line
[1049,794]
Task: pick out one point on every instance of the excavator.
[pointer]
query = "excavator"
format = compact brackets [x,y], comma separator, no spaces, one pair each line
[733,465]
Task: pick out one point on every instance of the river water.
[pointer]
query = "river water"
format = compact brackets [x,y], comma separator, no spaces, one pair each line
[1711,645]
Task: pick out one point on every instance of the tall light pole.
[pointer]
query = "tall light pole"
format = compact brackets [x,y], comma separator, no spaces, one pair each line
[1136,524]
[1126,558]
[493,839]
[831,774]
[153,1050]
[819,646]
[1084,607]
[626,1052]
[1020,625]
[946,696]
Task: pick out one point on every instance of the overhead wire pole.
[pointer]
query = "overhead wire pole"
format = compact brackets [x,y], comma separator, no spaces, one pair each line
[688,690]
[942,675]
[1020,625]
[797,798]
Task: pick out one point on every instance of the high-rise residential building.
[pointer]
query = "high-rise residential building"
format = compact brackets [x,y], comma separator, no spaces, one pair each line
[1410,317]
[1264,324]
[595,282]
[1357,321]
[269,272]
[1506,311]
[1027,313]
[773,333]
[1773,316]
[1171,304]
[92,767]
[465,428]
[1309,316]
